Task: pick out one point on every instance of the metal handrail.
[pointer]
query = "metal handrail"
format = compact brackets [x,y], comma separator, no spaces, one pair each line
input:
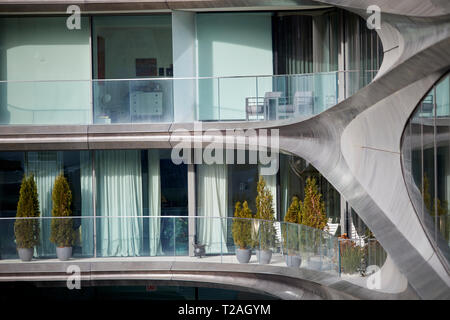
[192,78]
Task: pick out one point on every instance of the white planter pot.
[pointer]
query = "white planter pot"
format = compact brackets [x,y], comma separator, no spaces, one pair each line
[293,261]
[243,255]
[264,256]
[25,254]
[64,253]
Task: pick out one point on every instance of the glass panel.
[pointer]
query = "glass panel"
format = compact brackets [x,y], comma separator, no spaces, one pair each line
[242,180]
[8,249]
[426,147]
[44,50]
[233,94]
[182,236]
[208,99]
[133,101]
[174,187]
[168,236]
[128,47]
[45,103]
[442,222]
[45,166]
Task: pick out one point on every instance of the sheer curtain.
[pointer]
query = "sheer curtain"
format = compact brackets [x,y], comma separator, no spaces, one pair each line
[212,183]
[45,165]
[154,197]
[87,224]
[325,58]
[119,194]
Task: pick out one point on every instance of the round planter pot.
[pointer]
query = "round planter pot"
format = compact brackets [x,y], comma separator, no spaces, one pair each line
[25,254]
[293,261]
[243,255]
[64,253]
[264,256]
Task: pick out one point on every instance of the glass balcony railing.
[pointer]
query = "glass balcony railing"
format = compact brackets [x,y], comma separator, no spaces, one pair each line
[162,100]
[183,238]
[215,240]
[360,256]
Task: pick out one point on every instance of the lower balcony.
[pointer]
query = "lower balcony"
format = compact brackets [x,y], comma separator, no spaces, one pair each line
[163,248]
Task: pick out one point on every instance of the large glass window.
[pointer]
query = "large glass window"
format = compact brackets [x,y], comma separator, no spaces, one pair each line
[132,47]
[127,47]
[231,44]
[135,190]
[11,174]
[46,166]
[426,163]
[58,61]
[293,174]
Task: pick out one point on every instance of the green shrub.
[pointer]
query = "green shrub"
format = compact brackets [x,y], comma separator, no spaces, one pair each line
[291,229]
[242,225]
[62,233]
[266,235]
[27,230]
[351,256]
[312,210]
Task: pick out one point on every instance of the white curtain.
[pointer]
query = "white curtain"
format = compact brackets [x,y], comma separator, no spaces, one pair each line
[45,165]
[87,209]
[119,194]
[212,183]
[154,197]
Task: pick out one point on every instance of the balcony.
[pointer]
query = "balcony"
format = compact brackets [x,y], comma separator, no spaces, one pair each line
[169,239]
[168,100]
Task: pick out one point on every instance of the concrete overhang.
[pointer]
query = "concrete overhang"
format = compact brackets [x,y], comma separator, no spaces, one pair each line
[279,282]
[99,6]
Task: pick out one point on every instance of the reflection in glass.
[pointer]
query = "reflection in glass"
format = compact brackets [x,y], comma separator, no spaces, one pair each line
[426,163]
[293,174]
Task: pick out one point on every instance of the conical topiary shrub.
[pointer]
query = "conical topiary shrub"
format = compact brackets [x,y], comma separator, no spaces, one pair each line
[242,225]
[266,236]
[291,230]
[242,231]
[26,231]
[312,214]
[62,233]
[312,210]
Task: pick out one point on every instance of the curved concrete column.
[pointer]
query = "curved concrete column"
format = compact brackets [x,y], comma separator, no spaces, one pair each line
[356,144]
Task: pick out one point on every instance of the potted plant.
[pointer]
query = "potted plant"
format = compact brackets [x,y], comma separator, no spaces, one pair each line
[266,234]
[62,233]
[242,232]
[312,214]
[26,231]
[291,234]
[351,255]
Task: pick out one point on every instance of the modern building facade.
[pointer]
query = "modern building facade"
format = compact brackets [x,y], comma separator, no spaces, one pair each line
[105,97]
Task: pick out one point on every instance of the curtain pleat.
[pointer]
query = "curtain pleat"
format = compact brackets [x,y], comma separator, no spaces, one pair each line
[87,224]
[212,183]
[119,194]
[154,189]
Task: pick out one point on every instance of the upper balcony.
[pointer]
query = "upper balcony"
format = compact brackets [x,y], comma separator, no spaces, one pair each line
[166,100]
[181,66]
